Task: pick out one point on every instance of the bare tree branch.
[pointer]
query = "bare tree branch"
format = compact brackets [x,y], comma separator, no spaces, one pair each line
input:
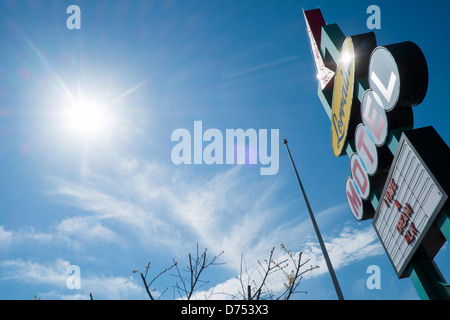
[254,283]
[148,284]
[295,275]
[266,269]
[197,265]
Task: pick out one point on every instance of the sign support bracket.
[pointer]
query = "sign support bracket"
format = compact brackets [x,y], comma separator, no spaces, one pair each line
[428,280]
[443,222]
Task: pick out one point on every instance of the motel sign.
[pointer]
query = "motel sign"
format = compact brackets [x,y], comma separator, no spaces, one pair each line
[399,175]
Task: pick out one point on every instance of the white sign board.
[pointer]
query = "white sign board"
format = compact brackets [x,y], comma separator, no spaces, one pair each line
[410,201]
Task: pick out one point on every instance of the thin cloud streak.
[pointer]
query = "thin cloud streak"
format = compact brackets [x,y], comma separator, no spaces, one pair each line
[231,211]
[228,212]
[54,273]
[258,68]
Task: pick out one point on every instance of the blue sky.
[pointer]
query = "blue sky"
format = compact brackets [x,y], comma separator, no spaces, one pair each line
[112,201]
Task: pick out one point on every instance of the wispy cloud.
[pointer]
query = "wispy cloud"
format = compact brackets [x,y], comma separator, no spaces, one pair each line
[29,234]
[259,68]
[349,246]
[229,211]
[54,273]
[88,229]
[101,208]
[154,204]
[5,237]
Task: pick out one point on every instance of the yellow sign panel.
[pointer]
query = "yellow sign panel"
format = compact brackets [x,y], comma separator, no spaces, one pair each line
[342,96]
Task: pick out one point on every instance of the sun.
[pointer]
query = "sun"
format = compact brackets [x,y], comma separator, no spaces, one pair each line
[87,117]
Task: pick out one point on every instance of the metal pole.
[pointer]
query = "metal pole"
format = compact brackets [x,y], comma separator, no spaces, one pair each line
[316,228]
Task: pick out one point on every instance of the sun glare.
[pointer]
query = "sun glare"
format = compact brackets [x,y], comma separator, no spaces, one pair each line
[346,57]
[86,117]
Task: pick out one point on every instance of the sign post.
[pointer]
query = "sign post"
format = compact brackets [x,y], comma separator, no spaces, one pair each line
[399,175]
[316,229]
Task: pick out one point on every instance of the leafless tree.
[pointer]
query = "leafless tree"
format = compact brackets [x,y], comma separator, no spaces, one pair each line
[295,275]
[253,286]
[189,278]
[256,287]
[148,284]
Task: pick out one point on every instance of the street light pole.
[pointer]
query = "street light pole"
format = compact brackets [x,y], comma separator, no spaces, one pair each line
[316,228]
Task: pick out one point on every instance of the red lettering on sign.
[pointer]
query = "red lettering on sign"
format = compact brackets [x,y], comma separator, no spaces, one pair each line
[362,144]
[411,233]
[354,199]
[390,192]
[375,118]
[360,179]
[412,227]
[407,209]
[402,222]
[398,205]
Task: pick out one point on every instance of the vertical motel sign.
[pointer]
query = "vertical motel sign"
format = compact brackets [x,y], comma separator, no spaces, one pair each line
[399,176]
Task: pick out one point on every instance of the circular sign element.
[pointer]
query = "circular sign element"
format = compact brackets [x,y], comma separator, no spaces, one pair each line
[342,96]
[374,116]
[360,176]
[384,77]
[366,149]
[354,199]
